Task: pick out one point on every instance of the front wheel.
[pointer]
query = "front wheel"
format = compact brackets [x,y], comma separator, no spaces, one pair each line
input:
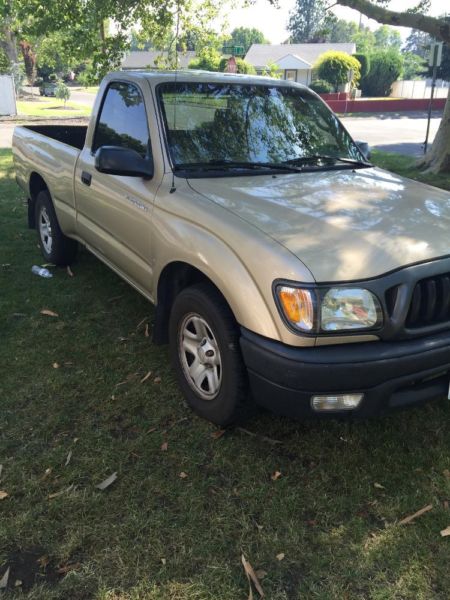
[205,352]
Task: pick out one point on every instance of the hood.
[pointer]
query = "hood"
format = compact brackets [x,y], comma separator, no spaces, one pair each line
[343,225]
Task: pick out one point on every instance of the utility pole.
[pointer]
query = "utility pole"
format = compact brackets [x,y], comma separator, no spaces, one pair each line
[435,62]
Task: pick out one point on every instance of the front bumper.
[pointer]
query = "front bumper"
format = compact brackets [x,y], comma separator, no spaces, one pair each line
[389,374]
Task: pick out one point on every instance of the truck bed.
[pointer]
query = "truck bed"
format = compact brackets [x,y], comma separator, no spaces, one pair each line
[72,135]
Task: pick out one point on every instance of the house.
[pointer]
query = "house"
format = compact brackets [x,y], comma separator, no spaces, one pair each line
[295,61]
[143,59]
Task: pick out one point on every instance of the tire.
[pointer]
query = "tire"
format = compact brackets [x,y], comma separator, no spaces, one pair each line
[201,320]
[55,246]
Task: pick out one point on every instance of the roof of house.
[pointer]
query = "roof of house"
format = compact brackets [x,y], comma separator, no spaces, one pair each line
[140,59]
[261,55]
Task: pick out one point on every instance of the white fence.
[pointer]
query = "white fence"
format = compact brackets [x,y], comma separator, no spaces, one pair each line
[7,96]
[419,89]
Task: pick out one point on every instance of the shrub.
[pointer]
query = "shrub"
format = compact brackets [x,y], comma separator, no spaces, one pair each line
[242,66]
[208,59]
[335,68]
[364,61]
[62,92]
[385,68]
[320,86]
[272,70]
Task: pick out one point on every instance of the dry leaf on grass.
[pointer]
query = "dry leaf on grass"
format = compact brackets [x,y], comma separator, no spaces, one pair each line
[146,333]
[63,569]
[446,473]
[445,532]
[107,482]
[69,456]
[275,475]
[264,438]
[260,573]
[69,271]
[252,578]
[1,469]
[149,374]
[3,495]
[183,475]
[55,365]
[163,560]
[419,513]
[4,580]
[218,434]
[17,583]
[164,446]
[49,313]
[280,556]
[151,430]
[379,486]
[60,493]
[157,380]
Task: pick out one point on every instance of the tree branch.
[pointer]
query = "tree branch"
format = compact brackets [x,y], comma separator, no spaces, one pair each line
[438,28]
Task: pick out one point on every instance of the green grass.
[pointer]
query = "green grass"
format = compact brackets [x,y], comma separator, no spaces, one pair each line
[406,166]
[339,533]
[90,89]
[51,107]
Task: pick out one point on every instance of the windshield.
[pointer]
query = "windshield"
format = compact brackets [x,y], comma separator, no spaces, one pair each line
[220,123]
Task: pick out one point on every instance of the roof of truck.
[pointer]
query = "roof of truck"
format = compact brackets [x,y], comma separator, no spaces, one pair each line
[160,76]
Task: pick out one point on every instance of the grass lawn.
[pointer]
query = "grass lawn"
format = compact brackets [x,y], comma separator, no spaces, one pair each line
[90,89]
[406,166]
[74,410]
[51,107]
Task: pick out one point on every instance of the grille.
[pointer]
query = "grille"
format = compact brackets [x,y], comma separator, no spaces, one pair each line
[430,302]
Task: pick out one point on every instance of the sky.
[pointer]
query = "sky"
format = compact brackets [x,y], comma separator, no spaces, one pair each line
[272,21]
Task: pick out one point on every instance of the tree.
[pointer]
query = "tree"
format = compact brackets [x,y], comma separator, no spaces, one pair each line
[418,43]
[243,66]
[339,30]
[385,68]
[437,158]
[364,39]
[207,59]
[337,67]
[62,92]
[364,61]
[387,38]
[306,20]
[414,66]
[5,64]
[272,70]
[245,37]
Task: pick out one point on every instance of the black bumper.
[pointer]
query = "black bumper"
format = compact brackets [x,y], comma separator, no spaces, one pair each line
[389,374]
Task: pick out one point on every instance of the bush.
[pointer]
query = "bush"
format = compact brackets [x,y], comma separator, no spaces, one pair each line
[208,59]
[364,61]
[242,66]
[320,86]
[385,67]
[335,68]
[62,92]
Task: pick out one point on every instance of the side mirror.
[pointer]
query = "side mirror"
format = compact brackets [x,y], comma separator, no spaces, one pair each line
[365,149]
[115,160]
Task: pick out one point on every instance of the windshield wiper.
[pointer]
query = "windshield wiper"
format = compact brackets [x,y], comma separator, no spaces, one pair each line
[235,164]
[325,157]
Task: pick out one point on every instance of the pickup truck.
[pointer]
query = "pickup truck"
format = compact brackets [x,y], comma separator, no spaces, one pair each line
[283,265]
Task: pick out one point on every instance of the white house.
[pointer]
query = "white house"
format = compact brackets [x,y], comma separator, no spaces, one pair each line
[296,61]
[143,59]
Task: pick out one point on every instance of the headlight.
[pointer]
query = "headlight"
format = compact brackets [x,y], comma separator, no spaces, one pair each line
[327,310]
[349,309]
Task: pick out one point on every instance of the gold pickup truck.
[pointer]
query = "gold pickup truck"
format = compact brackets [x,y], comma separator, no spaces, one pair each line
[282,264]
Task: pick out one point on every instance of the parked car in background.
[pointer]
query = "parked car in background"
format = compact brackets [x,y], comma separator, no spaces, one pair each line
[279,259]
[47,88]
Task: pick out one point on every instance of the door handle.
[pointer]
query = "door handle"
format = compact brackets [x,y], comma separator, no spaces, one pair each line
[86,177]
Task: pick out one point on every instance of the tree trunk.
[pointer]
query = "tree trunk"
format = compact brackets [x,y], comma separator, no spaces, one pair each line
[8,43]
[437,159]
[29,59]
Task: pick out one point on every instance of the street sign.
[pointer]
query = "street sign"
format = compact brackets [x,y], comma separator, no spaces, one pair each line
[435,57]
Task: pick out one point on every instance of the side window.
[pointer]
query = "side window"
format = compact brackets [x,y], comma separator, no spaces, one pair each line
[123,120]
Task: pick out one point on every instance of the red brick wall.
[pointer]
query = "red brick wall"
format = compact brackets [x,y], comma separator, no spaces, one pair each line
[377,106]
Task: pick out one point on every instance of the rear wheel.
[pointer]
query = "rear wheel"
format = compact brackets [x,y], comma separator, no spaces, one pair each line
[56,247]
[205,352]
